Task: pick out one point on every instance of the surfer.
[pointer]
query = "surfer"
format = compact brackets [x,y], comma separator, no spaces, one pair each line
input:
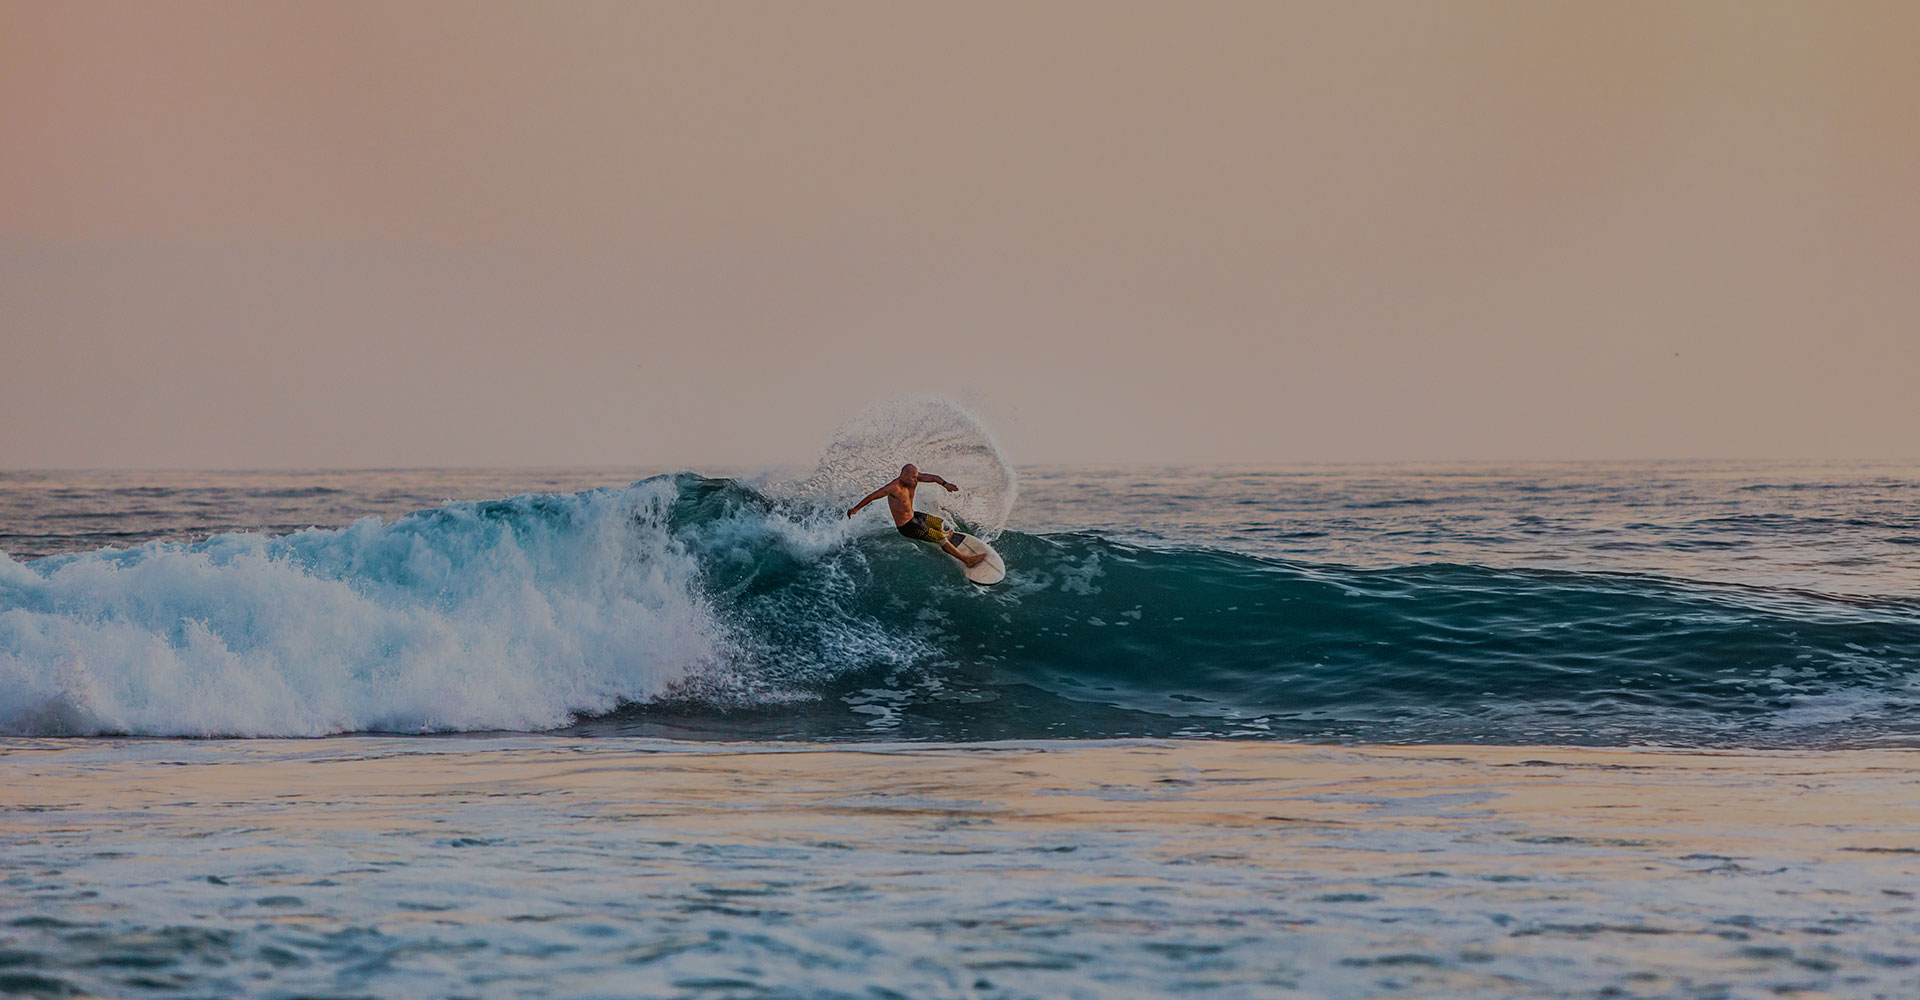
[917,526]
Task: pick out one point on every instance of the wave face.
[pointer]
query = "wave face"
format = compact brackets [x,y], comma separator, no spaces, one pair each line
[691,606]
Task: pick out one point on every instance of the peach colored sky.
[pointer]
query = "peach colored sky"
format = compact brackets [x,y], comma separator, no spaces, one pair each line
[352,234]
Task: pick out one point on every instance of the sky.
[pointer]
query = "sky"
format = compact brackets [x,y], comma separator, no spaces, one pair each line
[361,234]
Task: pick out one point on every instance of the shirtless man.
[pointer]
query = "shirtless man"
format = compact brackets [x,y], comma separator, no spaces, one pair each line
[899,494]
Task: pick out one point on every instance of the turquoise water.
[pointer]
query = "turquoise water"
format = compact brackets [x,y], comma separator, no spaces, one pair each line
[613,629]
[1721,605]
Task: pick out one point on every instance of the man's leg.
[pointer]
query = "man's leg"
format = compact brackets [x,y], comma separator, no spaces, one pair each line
[970,560]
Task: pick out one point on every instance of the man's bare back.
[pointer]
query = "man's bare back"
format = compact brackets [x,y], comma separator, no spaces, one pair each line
[899,494]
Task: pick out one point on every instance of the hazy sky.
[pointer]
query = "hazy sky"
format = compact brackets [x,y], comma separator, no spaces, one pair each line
[364,234]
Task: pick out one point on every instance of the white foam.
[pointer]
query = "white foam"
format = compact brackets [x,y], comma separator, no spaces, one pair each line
[509,615]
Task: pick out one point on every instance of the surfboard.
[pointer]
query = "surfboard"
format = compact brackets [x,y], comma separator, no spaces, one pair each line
[991,571]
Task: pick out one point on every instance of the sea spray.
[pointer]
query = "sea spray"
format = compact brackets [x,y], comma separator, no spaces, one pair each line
[938,435]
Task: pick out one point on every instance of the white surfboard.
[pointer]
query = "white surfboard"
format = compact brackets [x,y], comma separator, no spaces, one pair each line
[991,570]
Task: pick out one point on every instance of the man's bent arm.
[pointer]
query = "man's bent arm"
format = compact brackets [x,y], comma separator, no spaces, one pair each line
[928,477]
[871,497]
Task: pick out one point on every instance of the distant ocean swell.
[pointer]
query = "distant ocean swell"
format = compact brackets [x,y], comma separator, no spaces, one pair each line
[691,602]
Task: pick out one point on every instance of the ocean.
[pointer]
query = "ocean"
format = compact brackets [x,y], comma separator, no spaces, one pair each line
[1681,605]
[1621,729]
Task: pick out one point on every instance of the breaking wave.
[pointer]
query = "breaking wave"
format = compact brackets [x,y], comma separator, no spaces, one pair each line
[688,604]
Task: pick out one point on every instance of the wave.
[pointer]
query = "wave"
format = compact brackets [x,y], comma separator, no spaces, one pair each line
[512,614]
[688,605]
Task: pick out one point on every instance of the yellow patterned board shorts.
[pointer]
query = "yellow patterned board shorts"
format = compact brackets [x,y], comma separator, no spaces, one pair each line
[924,527]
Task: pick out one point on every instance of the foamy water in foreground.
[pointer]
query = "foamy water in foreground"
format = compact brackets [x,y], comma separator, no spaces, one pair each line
[621,867]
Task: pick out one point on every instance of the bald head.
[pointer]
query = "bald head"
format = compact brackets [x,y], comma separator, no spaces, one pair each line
[909,473]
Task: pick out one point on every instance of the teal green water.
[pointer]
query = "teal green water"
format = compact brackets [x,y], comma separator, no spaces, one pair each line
[1686,605]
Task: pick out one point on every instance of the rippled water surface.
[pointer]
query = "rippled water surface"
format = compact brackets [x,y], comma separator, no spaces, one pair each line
[1323,731]
[518,867]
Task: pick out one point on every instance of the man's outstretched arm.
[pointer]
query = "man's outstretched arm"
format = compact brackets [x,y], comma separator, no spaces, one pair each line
[928,477]
[871,497]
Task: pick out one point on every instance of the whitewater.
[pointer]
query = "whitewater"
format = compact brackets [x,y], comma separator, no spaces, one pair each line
[1708,605]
